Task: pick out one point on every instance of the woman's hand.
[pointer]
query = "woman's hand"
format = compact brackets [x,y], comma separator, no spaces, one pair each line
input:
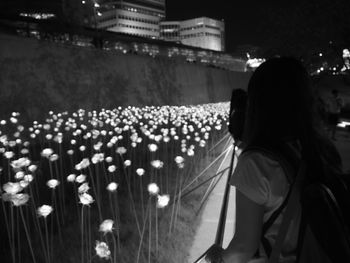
[214,254]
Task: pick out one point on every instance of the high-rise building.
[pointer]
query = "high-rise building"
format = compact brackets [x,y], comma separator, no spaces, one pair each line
[170,30]
[146,18]
[201,32]
[136,17]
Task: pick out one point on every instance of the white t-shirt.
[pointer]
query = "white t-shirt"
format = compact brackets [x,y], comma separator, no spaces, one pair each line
[263,180]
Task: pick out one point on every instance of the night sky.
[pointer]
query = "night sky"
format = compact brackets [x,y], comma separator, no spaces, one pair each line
[295,27]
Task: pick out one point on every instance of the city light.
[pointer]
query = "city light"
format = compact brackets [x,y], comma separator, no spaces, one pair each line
[38,16]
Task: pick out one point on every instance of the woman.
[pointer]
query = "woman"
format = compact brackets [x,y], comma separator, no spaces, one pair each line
[279,111]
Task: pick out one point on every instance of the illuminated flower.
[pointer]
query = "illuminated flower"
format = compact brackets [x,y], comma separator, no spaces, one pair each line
[98,157]
[98,146]
[179,159]
[44,210]
[12,188]
[19,175]
[71,178]
[83,164]
[102,250]
[127,163]
[23,183]
[47,152]
[157,164]
[21,162]
[112,168]
[19,199]
[190,152]
[109,159]
[112,187]
[106,226]
[53,157]
[153,189]
[53,183]
[121,150]
[202,143]
[9,154]
[80,178]
[32,168]
[83,188]
[152,147]
[162,201]
[140,171]
[28,178]
[86,199]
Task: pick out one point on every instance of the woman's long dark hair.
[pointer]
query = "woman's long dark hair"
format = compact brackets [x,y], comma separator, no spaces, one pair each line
[281,107]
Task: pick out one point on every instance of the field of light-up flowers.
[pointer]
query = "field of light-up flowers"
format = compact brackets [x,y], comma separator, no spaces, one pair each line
[94,186]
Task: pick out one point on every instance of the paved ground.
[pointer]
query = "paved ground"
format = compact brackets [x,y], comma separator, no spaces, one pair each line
[207,229]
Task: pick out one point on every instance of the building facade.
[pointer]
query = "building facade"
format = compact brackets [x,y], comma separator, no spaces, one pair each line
[146,18]
[170,31]
[200,32]
[135,17]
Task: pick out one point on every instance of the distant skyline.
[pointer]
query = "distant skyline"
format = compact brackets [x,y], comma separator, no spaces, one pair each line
[278,26]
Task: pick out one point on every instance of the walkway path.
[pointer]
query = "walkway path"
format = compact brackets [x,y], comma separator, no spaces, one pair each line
[206,231]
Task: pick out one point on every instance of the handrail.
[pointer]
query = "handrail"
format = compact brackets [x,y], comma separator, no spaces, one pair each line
[223,213]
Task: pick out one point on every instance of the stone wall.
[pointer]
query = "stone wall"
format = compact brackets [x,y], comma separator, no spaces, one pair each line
[38,76]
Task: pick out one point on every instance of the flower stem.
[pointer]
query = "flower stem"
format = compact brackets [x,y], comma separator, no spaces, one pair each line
[27,234]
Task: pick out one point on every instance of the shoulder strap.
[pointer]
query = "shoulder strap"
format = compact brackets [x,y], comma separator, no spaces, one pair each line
[287,218]
[289,161]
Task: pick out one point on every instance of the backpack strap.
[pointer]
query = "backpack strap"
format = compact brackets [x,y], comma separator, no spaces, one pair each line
[287,218]
[289,160]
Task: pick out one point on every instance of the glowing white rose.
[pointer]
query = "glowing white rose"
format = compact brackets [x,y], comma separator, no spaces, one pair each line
[32,168]
[153,189]
[19,175]
[152,147]
[162,201]
[97,158]
[47,152]
[106,226]
[71,178]
[28,178]
[127,163]
[109,159]
[121,150]
[9,154]
[157,164]
[53,183]
[19,199]
[80,178]
[112,168]
[21,162]
[53,157]
[44,210]
[112,187]
[140,171]
[86,199]
[102,250]
[83,164]
[179,159]
[83,188]
[12,188]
